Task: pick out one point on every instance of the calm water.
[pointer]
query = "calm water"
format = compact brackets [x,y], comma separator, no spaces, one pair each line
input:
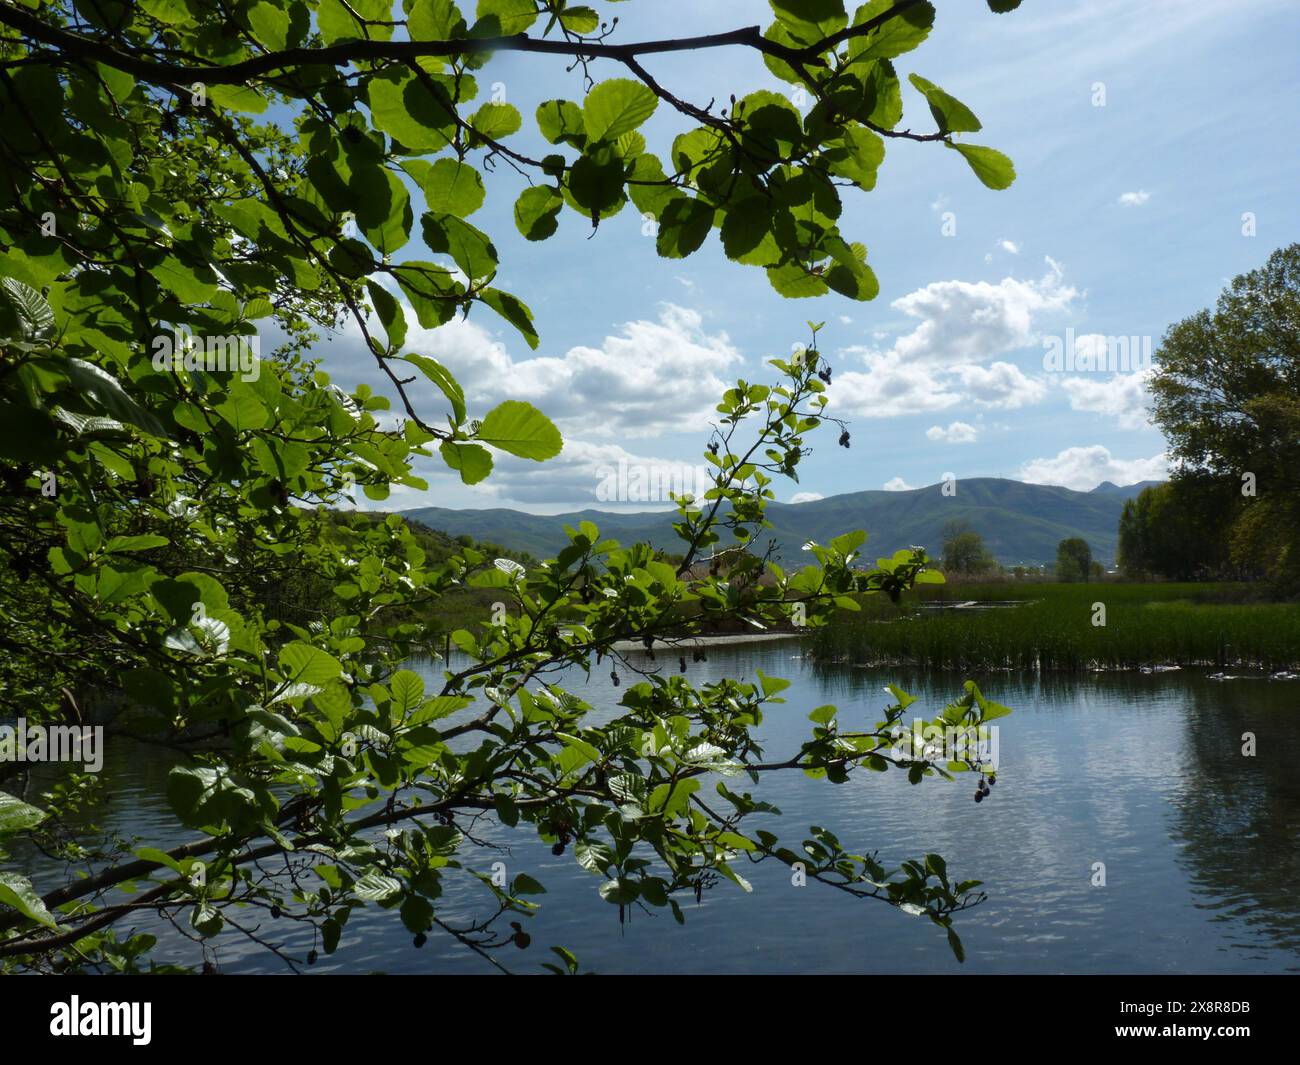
[1142,772]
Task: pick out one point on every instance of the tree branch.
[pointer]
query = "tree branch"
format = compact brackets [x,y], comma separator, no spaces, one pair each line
[156,72]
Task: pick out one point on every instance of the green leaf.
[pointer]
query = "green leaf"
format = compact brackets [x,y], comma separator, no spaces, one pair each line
[990,166]
[793,281]
[375,887]
[672,799]
[683,225]
[473,463]
[407,688]
[580,19]
[954,941]
[596,184]
[108,393]
[17,892]
[900,34]
[823,715]
[301,663]
[951,114]
[17,816]
[615,107]
[145,542]
[525,885]
[536,212]
[468,246]
[811,20]
[493,121]
[736,842]
[514,311]
[34,313]
[442,377]
[506,809]
[561,122]
[415,112]
[521,429]
[621,892]
[434,20]
[449,185]
[857,155]
[270,24]
[504,18]
[390,313]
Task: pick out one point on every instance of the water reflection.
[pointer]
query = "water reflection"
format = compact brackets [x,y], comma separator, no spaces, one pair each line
[1141,773]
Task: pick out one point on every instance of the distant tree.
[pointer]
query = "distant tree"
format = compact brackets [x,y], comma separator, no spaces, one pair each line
[1226,394]
[1177,530]
[964,550]
[1073,560]
[1018,573]
[1097,570]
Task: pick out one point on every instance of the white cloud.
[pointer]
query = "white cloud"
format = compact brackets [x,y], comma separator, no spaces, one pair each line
[1009,246]
[891,388]
[1122,396]
[806,497]
[651,378]
[1134,199]
[896,484]
[1083,468]
[939,364]
[974,321]
[585,474]
[956,433]
[1002,386]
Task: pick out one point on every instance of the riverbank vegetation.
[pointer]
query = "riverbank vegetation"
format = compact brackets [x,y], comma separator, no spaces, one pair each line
[1066,626]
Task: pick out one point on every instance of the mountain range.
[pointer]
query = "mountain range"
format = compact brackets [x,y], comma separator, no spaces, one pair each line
[1020,523]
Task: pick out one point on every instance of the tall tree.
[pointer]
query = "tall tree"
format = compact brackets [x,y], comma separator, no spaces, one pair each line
[180,176]
[1226,393]
[1073,560]
[1177,530]
[964,551]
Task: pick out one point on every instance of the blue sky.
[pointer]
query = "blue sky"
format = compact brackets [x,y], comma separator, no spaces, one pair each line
[1124,218]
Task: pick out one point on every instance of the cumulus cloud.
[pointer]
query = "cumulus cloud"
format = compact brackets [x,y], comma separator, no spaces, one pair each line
[1122,396]
[1083,468]
[1009,246]
[890,387]
[974,321]
[896,484]
[1002,386]
[585,474]
[806,497]
[951,355]
[1134,199]
[650,378]
[956,433]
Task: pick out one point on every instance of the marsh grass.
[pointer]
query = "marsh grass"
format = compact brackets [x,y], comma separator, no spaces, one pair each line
[1052,628]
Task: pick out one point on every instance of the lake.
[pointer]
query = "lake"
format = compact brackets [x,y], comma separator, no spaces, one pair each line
[1141,772]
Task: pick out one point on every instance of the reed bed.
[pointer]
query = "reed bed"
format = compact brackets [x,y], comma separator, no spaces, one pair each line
[1053,629]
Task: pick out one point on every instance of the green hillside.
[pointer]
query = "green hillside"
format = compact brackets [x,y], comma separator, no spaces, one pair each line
[1021,523]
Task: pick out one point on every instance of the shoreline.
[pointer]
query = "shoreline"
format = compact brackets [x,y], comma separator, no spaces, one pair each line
[709,641]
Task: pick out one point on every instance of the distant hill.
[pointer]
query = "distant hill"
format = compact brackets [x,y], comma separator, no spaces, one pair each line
[1021,523]
[1127,491]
